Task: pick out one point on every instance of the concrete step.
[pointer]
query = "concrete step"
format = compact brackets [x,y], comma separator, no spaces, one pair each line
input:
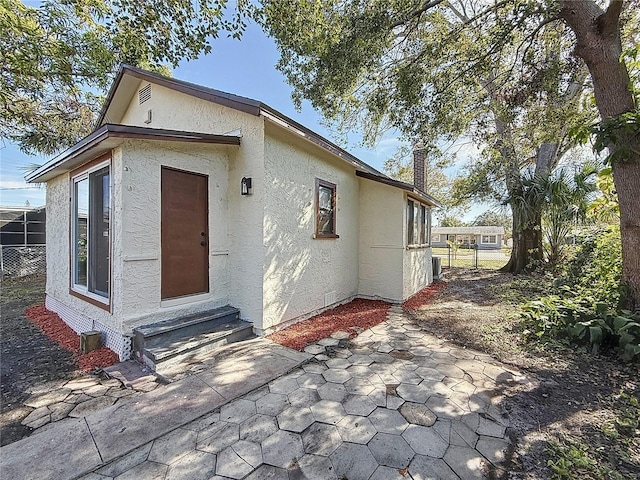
[171,341]
[161,348]
[182,323]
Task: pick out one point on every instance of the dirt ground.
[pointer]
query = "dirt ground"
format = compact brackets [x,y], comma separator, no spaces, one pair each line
[577,394]
[29,361]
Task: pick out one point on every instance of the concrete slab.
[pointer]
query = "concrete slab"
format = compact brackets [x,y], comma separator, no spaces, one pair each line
[90,406]
[126,462]
[169,448]
[124,426]
[57,454]
[147,470]
[195,465]
[248,365]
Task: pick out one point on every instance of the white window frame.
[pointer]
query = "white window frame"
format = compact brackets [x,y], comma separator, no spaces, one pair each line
[495,242]
[81,289]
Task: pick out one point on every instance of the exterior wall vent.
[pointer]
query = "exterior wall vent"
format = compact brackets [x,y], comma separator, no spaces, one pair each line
[144,94]
[329,298]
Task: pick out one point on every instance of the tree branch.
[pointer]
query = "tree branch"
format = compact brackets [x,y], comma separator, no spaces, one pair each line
[416,13]
[608,21]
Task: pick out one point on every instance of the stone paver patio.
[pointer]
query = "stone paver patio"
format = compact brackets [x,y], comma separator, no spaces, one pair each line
[393,403]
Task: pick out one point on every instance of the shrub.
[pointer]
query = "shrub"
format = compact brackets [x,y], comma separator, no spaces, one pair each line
[585,305]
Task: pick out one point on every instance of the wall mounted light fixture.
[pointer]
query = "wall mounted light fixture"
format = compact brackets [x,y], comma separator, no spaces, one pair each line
[245,186]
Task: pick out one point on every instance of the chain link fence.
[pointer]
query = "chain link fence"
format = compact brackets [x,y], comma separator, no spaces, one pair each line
[20,261]
[472,257]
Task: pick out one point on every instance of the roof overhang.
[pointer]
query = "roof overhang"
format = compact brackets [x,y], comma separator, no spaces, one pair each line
[128,80]
[412,190]
[109,136]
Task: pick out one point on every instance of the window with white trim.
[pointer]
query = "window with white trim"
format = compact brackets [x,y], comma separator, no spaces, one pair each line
[418,223]
[90,232]
[489,239]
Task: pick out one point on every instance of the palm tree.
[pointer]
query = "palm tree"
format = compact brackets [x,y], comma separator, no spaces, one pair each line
[563,197]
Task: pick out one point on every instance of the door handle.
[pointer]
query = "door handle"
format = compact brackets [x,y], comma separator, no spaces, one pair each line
[203,243]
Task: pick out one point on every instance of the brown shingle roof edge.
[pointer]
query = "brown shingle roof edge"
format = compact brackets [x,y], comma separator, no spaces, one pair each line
[404,186]
[108,130]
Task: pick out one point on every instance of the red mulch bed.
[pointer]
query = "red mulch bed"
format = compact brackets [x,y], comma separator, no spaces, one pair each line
[352,317]
[423,297]
[58,331]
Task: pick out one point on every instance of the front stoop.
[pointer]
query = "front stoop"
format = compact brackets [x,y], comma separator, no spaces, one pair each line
[171,341]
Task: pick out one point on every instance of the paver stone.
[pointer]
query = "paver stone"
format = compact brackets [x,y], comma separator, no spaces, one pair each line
[466,462]
[230,464]
[238,411]
[295,419]
[257,428]
[315,467]
[353,461]
[327,411]
[391,450]
[418,414]
[425,441]
[356,429]
[321,439]
[271,404]
[386,420]
[429,468]
[282,448]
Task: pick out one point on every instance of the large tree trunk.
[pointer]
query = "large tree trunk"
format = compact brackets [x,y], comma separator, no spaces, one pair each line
[526,253]
[598,44]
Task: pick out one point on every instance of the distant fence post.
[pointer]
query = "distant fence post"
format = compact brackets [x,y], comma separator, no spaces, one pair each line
[475,255]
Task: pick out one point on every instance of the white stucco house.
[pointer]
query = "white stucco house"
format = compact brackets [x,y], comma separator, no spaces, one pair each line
[185,199]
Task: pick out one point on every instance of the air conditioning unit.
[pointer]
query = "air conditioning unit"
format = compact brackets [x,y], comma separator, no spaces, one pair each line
[437,267]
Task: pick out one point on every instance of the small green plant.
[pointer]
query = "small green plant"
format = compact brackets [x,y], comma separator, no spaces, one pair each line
[570,460]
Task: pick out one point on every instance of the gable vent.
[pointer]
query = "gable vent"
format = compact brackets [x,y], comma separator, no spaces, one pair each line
[144,94]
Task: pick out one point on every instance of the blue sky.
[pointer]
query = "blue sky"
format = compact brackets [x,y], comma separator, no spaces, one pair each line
[246,68]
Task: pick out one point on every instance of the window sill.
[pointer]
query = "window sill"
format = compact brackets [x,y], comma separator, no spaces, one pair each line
[325,237]
[98,303]
[418,247]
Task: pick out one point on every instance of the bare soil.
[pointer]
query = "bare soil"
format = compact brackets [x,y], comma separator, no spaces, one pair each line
[577,395]
[30,361]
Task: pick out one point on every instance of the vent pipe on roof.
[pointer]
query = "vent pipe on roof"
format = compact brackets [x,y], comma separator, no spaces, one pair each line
[420,167]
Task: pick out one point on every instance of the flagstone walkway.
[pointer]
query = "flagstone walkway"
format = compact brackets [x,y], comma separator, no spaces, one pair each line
[393,403]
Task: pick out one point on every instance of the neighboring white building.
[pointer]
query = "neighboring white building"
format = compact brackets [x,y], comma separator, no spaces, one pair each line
[480,237]
[147,220]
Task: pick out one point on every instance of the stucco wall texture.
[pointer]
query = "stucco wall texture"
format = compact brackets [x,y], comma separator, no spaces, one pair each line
[300,270]
[263,257]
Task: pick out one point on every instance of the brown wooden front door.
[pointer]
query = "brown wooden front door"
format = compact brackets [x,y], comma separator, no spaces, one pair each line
[184,233]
